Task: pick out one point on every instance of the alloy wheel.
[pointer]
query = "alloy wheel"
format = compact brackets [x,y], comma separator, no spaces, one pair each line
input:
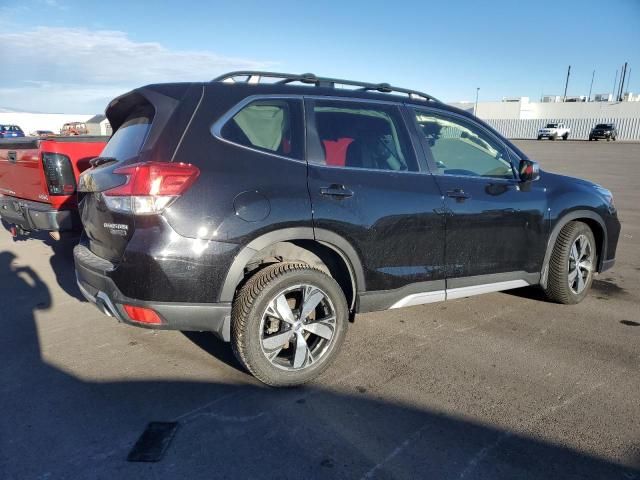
[297,327]
[580,264]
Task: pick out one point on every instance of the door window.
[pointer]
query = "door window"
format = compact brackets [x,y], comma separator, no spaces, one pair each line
[268,125]
[459,147]
[361,135]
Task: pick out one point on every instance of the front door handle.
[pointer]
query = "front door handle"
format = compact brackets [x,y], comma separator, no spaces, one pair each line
[458,194]
[336,190]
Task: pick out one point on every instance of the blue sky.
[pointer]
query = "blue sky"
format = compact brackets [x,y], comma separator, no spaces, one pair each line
[73,56]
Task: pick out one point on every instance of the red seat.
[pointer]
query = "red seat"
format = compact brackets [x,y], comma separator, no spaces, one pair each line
[336,151]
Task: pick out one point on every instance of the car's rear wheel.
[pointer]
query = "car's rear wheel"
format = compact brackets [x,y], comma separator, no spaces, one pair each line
[539,137]
[572,264]
[288,323]
[565,136]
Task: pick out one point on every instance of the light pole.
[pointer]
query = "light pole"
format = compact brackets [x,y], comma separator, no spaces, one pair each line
[475,108]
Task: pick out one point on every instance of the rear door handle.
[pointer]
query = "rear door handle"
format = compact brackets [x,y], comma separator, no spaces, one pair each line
[336,190]
[458,194]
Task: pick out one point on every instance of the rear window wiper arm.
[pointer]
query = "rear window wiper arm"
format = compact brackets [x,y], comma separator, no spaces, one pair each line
[95,162]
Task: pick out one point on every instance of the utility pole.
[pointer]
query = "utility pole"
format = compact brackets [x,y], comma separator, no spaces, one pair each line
[591,87]
[615,81]
[566,84]
[624,77]
[475,108]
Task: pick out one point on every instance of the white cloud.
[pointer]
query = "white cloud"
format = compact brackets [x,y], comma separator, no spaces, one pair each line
[52,67]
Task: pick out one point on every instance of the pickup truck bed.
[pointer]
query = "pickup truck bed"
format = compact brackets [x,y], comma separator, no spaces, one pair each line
[38,179]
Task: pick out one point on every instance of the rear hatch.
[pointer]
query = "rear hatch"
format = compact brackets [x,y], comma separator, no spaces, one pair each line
[146,124]
[21,173]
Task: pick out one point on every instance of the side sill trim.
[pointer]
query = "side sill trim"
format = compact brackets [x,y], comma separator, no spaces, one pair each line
[453,293]
[480,289]
[420,299]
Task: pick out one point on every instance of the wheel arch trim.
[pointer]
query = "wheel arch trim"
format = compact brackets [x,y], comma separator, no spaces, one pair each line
[329,239]
[560,224]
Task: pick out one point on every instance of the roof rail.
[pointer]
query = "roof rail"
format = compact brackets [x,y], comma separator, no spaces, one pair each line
[255,77]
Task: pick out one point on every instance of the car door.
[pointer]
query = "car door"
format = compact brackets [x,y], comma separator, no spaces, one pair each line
[496,226]
[366,187]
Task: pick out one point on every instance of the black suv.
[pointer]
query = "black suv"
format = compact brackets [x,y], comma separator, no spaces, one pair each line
[271,208]
[605,131]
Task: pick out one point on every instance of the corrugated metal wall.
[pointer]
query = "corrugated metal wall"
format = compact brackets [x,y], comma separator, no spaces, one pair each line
[628,128]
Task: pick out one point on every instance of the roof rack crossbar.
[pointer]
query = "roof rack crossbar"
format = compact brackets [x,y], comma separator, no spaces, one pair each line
[255,76]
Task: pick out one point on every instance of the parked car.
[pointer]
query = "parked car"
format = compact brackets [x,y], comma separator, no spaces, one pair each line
[42,133]
[38,180]
[210,209]
[10,131]
[605,131]
[74,128]
[553,131]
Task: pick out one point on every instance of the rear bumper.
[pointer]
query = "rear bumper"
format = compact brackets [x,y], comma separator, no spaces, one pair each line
[600,135]
[30,215]
[92,275]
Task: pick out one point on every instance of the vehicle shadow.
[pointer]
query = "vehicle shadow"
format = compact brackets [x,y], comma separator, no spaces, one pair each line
[55,424]
[62,258]
[532,293]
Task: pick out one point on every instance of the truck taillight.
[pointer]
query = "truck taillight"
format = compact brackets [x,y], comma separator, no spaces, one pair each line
[150,187]
[59,174]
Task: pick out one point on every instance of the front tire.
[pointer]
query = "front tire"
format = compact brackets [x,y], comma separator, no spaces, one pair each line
[572,264]
[288,323]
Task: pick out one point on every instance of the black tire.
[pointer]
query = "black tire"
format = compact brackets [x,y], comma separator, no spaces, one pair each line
[539,138]
[251,304]
[591,139]
[565,136]
[552,137]
[613,138]
[608,139]
[558,289]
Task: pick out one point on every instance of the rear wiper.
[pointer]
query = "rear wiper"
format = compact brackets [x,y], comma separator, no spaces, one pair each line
[95,162]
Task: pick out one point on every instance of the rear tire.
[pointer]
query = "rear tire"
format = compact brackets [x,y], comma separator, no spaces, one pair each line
[572,264]
[552,137]
[565,136]
[539,138]
[288,323]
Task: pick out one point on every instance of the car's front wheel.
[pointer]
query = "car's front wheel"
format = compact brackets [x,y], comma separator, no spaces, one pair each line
[572,264]
[288,323]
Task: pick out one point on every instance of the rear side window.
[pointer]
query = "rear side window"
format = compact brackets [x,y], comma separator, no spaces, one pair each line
[273,125]
[128,140]
[362,135]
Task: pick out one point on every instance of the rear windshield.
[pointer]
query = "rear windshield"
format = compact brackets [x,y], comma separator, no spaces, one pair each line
[551,125]
[603,125]
[128,140]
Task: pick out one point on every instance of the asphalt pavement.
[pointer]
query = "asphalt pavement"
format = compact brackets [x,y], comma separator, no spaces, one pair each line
[500,386]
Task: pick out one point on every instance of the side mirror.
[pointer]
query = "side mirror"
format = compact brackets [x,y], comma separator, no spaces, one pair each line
[529,171]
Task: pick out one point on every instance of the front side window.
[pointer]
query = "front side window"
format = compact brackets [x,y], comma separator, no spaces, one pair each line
[459,147]
[361,135]
[268,125]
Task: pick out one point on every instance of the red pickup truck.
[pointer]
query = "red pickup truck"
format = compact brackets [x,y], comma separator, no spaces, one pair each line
[38,180]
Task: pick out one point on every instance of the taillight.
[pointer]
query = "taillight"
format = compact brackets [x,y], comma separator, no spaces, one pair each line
[151,187]
[59,174]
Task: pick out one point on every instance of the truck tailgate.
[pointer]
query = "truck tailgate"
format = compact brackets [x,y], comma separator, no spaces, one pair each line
[21,173]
